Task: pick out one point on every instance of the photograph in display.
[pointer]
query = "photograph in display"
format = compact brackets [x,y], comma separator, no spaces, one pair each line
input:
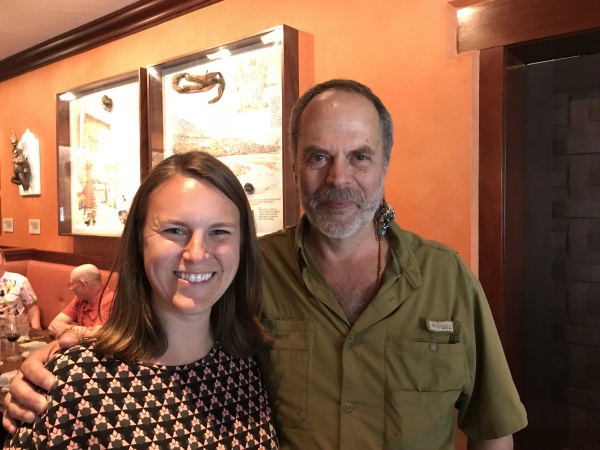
[99,164]
[229,102]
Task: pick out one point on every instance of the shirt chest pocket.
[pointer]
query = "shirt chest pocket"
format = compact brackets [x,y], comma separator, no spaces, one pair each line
[428,366]
[423,382]
[290,358]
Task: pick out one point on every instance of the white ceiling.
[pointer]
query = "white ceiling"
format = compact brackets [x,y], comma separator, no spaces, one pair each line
[26,23]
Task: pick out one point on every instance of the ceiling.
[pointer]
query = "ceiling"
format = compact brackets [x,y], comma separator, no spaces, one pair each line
[26,23]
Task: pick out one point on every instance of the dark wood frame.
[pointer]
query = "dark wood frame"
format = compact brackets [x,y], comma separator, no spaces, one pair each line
[508,34]
[124,22]
[63,138]
[290,88]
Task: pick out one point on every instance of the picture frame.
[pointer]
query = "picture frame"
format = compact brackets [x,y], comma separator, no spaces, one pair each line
[102,152]
[34,226]
[8,225]
[234,101]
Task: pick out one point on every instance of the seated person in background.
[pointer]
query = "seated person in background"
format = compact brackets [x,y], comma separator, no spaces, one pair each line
[89,308]
[17,296]
[173,365]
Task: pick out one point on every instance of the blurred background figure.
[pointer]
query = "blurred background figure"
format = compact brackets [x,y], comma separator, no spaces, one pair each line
[90,307]
[17,296]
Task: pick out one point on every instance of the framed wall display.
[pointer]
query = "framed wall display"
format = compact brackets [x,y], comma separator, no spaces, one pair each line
[234,102]
[34,226]
[8,225]
[100,154]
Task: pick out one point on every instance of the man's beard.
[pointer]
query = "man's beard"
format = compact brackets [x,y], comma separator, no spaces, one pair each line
[331,222]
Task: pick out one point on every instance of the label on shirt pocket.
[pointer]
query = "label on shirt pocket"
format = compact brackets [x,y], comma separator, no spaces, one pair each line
[440,326]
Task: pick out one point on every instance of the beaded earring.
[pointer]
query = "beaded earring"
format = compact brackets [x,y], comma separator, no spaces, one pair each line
[383,217]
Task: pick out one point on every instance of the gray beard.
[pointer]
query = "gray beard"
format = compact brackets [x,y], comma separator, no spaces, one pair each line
[331,223]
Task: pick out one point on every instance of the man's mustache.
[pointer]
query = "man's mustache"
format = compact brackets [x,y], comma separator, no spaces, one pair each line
[336,195]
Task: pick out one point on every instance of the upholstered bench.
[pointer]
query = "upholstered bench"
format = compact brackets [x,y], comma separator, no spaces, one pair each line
[50,283]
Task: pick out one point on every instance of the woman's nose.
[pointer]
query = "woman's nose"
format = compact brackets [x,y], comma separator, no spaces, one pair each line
[196,247]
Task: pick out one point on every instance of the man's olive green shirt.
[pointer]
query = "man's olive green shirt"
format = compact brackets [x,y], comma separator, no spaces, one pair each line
[425,345]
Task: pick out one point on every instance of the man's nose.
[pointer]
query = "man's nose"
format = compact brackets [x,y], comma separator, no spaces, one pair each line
[339,172]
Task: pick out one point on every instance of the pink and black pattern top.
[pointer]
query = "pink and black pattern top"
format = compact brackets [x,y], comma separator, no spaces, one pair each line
[218,402]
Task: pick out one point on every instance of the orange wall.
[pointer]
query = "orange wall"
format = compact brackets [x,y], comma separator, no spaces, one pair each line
[402,49]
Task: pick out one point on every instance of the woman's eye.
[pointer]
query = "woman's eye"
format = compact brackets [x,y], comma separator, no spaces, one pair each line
[173,231]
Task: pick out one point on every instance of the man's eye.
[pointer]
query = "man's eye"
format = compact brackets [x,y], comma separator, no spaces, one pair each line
[362,159]
[317,160]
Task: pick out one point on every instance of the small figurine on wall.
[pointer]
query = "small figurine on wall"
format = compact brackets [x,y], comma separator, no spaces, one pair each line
[26,162]
[22,168]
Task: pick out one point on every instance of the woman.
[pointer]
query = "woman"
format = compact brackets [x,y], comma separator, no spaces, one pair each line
[173,366]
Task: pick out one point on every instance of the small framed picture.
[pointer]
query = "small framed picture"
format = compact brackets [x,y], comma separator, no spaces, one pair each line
[34,226]
[7,225]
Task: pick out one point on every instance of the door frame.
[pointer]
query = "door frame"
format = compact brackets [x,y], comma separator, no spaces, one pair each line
[509,34]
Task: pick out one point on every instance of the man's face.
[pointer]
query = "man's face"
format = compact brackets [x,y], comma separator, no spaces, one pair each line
[340,165]
[78,286]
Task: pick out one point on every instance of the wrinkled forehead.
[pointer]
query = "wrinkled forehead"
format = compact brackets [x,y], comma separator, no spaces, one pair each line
[340,118]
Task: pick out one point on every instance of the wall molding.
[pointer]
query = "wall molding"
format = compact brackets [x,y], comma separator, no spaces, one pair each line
[71,259]
[124,22]
[506,22]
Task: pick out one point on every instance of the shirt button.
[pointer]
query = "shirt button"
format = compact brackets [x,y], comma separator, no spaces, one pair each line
[349,407]
[433,347]
[350,339]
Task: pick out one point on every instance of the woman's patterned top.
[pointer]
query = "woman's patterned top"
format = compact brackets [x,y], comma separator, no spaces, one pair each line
[218,402]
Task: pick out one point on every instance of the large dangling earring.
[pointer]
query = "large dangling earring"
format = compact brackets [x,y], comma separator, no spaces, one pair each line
[383,218]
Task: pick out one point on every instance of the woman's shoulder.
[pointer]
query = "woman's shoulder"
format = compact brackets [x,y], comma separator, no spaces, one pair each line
[80,352]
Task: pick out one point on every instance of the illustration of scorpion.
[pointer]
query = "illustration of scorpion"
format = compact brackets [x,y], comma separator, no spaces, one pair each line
[199,83]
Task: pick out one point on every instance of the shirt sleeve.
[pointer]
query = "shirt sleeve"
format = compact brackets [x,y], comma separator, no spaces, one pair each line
[72,309]
[492,409]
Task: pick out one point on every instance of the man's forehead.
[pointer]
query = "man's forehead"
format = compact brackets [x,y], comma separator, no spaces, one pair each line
[335,98]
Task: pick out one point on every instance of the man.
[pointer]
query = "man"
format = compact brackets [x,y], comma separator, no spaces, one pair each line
[90,307]
[378,334]
[17,296]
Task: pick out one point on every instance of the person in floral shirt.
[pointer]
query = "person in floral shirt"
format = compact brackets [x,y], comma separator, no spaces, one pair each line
[17,296]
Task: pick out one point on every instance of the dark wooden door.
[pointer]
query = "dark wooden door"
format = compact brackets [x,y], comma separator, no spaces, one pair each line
[560,385]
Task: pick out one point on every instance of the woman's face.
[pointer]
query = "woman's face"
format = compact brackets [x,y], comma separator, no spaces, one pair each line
[191,246]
